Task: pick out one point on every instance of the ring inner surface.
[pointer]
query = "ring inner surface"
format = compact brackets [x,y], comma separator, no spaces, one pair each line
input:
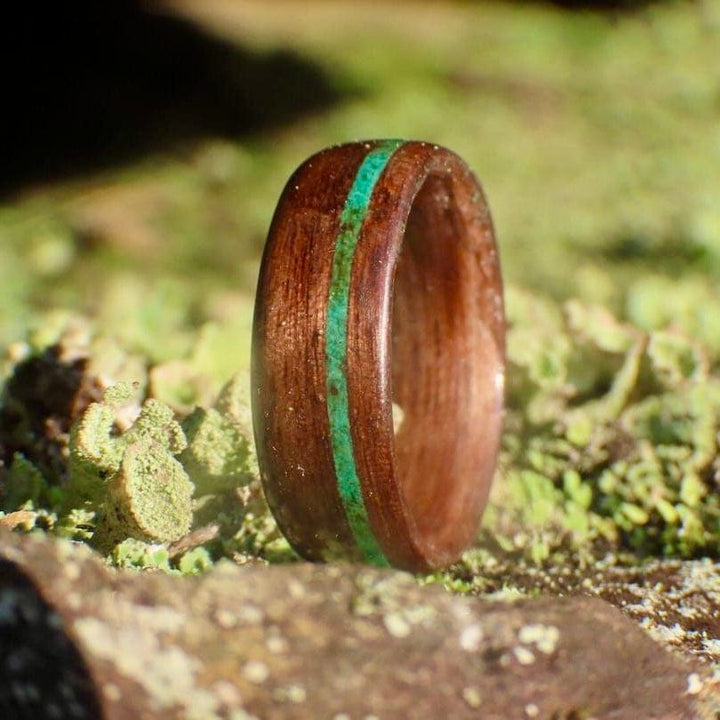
[445,366]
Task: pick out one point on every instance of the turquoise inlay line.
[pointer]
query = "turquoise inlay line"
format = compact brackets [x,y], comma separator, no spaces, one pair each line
[351,221]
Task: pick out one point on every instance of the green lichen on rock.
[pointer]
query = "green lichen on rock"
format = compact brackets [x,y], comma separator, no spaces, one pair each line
[139,555]
[195,561]
[149,498]
[610,443]
[248,532]
[131,479]
[97,446]
[96,451]
[220,455]
[150,480]
[612,435]
[156,423]
[24,485]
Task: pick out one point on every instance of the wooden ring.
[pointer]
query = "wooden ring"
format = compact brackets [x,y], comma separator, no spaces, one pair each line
[380,283]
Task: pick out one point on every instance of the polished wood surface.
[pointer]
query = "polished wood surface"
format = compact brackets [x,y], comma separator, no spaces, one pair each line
[424,329]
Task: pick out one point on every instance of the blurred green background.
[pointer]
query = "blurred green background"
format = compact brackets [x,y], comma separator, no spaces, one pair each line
[141,188]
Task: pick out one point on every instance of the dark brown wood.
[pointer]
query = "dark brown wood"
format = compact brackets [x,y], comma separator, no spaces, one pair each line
[425,330]
[440,284]
[288,362]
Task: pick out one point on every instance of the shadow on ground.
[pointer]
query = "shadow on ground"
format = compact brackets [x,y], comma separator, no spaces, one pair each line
[98,83]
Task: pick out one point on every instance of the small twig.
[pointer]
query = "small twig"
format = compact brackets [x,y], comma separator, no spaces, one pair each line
[194,539]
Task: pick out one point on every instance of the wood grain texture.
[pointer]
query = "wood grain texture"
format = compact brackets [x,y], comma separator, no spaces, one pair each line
[424,328]
[288,358]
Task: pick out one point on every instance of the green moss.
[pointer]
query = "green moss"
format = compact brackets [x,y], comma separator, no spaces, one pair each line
[195,562]
[220,455]
[217,455]
[138,555]
[149,498]
[135,480]
[130,480]
[625,459]
[95,453]
[178,384]
[24,485]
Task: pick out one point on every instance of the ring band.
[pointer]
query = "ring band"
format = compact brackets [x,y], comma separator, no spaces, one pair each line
[380,285]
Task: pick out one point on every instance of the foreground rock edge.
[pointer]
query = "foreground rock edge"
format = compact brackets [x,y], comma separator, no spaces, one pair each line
[315,641]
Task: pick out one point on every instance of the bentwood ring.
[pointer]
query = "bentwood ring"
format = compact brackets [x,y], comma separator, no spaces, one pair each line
[379,356]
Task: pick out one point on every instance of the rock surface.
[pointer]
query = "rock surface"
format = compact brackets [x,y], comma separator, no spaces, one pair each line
[306,641]
[675,601]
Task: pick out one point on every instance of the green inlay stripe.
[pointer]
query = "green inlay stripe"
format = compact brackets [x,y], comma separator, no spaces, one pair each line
[351,221]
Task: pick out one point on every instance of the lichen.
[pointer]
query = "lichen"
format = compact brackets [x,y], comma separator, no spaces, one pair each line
[95,451]
[169,677]
[612,443]
[131,479]
[136,475]
[24,485]
[139,555]
[149,498]
[384,598]
[220,455]
[195,561]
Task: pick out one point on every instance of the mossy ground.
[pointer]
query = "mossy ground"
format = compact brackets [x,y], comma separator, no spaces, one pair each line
[597,139]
